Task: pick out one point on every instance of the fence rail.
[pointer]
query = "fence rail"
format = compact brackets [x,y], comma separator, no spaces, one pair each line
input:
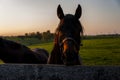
[57,72]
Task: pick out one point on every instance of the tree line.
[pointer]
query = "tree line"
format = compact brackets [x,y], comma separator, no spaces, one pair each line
[45,36]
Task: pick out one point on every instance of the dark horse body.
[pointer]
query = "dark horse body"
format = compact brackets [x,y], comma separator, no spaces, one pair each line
[12,52]
[67,39]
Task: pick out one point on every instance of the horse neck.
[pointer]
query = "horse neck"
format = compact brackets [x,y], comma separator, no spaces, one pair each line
[55,57]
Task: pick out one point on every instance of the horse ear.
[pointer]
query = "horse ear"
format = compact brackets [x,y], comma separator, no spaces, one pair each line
[60,13]
[78,12]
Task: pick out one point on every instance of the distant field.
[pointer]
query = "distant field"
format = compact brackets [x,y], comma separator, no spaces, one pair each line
[95,51]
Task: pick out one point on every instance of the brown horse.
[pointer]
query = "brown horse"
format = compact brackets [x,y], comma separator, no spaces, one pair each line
[12,52]
[67,39]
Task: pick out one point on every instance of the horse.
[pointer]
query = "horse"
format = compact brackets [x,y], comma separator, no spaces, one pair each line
[42,53]
[13,52]
[67,39]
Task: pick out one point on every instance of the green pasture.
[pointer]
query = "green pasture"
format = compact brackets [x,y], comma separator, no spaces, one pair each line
[94,51]
[101,51]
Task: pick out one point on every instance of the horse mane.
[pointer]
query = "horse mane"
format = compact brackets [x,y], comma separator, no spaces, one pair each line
[14,45]
[56,55]
[11,44]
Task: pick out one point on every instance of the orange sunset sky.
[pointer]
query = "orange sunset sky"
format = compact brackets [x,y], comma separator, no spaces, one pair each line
[18,17]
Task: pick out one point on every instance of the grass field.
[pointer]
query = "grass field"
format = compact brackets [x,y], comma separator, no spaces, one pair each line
[95,51]
[100,51]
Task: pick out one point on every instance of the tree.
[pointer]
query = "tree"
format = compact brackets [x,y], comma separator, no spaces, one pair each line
[39,35]
[47,35]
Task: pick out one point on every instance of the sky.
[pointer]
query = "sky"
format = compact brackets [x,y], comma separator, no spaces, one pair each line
[18,17]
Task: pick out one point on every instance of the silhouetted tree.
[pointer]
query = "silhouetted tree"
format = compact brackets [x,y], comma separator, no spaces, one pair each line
[26,35]
[46,36]
[39,35]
